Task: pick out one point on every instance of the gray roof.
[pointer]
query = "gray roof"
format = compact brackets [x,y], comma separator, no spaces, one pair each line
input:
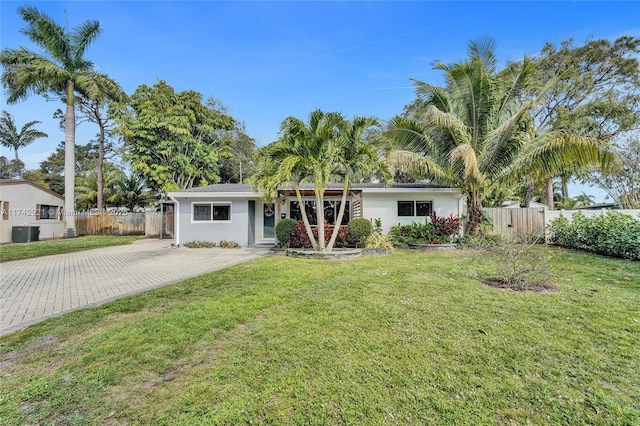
[221,187]
[240,188]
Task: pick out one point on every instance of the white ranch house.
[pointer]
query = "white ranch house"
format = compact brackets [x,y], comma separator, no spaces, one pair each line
[235,212]
[26,204]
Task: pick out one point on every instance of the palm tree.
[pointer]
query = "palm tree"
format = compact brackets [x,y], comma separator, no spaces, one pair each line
[131,192]
[476,134]
[584,199]
[87,186]
[357,155]
[304,153]
[326,147]
[11,138]
[61,69]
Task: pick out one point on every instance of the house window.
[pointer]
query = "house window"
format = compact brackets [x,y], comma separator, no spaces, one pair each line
[405,208]
[310,208]
[331,210]
[211,212]
[415,208]
[48,212]
[424,208]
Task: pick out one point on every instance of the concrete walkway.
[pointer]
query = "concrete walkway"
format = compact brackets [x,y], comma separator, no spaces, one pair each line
[32,290]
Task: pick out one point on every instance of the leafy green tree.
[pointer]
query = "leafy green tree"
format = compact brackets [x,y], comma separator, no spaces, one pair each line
[51,170]
[10,169]
[10,137]
[597,95]
[236,165]
[477,135]
[61,68]
[171,139]
[35,176]
[623,184]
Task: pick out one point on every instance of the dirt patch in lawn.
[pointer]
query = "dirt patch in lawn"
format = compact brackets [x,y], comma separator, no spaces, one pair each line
[538,287]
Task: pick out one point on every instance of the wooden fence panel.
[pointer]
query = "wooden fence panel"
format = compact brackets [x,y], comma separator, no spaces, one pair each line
[159,224]
[518,223]
[115,223]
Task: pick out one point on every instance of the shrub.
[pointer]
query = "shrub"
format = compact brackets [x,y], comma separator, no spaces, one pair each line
[359,229]
[422,232]
[199,244]
[480,242]
[520,266]
[283,230]
[378,241]
[445,226]
[300,239]
[229,244]
[560,232]
[612,234]
[415,233]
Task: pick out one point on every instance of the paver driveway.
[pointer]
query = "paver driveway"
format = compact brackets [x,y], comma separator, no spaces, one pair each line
[32,290]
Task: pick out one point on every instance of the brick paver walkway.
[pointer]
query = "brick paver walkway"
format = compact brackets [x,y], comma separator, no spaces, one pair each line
[32,290]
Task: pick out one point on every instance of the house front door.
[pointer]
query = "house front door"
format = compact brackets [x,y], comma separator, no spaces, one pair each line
[268,221]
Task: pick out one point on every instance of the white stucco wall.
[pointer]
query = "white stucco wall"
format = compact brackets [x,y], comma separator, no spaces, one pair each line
[384,205]
[237,229]
[23,199]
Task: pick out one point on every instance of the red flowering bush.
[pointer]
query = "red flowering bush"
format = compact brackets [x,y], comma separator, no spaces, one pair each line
[300,239]
[445,226]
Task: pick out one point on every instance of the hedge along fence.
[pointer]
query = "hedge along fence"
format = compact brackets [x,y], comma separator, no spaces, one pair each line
[612,233]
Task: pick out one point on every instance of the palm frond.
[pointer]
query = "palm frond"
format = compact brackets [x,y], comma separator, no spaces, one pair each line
[484,49]
[417,163]
[46,33]
[554,152]
[83,35]
[465,156]
[27,73]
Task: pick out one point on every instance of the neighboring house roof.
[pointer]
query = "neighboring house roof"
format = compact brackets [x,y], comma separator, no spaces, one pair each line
[28,182]
[600,206]
[236,188]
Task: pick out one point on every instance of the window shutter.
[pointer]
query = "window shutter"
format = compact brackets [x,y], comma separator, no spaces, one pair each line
[60,213]
[37,211]
[5,210]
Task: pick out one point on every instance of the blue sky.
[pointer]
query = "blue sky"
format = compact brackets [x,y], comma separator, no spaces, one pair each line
[270,60]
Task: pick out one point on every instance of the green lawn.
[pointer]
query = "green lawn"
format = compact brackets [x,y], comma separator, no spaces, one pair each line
[410,338]
[18,251]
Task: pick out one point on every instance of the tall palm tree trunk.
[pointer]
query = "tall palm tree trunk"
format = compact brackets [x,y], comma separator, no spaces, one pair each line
[320,218]
[15,150]
[549,194]
[69,164]
[100,167]
[529,194]
[305,219]
[336,227]
[474,214]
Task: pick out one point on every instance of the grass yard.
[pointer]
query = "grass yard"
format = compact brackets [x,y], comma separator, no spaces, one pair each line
[410,338]
[19,251]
